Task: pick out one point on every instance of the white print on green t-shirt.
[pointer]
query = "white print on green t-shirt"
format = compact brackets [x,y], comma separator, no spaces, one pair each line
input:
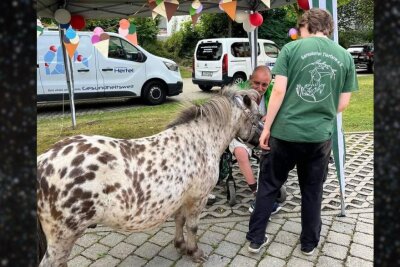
[314,90]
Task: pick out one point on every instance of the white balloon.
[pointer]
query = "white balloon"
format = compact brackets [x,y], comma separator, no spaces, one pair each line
[247,25]
[62,16]
[241,16]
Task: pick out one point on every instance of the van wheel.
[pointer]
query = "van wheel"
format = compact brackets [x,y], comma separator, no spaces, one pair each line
[205,88]
[154,93]
[238,78]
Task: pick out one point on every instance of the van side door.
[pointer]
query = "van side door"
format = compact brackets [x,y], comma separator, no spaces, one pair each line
[52,71]
[123,72]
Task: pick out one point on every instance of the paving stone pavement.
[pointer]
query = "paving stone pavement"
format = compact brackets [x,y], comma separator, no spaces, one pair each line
[345,241]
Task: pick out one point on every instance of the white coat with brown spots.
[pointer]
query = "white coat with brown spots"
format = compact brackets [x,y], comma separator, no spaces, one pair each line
[137,184]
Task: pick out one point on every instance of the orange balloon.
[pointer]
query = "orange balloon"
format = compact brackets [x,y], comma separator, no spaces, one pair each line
[294,36]
[124,24]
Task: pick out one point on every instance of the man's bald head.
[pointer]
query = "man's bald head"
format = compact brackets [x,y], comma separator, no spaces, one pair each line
[262,70]
[260,79]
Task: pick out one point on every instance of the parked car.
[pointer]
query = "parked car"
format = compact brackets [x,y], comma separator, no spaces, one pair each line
[363,56]
[126,70]
[222,61]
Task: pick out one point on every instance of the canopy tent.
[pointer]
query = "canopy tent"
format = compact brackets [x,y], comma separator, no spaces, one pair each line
[140,8]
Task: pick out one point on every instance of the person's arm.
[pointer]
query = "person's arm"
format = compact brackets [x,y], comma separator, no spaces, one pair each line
[275,102]
[344,101]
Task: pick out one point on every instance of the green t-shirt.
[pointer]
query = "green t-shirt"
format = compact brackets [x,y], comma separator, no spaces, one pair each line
[318,71]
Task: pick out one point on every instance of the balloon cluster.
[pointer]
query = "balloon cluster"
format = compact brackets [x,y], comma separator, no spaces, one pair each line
[128,30]
[250,21]
[39,27]
[101,41]
[65,19]
[293,34]
[70,23]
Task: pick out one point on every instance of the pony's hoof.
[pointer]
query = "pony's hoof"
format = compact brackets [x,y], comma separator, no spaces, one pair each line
[180,246]
[198,256]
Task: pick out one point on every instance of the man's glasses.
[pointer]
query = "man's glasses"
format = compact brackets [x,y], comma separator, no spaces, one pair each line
[260,83]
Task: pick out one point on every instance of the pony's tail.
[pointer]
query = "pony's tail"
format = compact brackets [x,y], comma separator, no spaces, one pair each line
[41,242]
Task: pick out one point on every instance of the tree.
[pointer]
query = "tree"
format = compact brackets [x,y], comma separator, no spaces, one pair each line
[277,23]
[355,22]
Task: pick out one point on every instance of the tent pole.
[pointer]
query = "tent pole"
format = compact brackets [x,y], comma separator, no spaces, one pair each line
[340,149]
[253,41]
[338,139]
[68,75]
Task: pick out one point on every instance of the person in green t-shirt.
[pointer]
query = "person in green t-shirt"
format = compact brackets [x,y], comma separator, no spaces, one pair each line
[314,78]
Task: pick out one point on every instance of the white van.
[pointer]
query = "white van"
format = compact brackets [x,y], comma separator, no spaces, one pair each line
[222,61]
[128,71]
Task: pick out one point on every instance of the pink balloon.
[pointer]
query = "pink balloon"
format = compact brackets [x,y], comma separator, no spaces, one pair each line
[292,31]
[95,39]
[123,32]
[97,31]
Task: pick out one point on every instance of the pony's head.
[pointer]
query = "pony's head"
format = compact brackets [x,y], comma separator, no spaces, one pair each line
[250,126]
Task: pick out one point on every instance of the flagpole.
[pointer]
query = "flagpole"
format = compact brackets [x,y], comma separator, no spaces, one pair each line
[68,76]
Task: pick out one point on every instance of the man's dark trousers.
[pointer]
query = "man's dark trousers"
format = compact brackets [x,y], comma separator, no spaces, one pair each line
[312,161]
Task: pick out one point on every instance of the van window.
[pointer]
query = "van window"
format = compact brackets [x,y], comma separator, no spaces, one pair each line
[130,51]
[242,49]
[121,49]
[115,49]
[209,51]
[271,50]
[356,49]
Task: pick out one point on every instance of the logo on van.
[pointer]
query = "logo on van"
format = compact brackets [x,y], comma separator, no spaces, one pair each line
[54,61]
[123,70]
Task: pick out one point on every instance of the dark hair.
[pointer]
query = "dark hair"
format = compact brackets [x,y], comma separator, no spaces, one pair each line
[317,20]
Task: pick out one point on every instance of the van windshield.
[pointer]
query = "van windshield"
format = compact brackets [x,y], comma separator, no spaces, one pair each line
[209,51]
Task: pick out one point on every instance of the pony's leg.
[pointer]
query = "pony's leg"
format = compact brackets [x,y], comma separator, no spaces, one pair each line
[193,210]
[179,240]
[57,253]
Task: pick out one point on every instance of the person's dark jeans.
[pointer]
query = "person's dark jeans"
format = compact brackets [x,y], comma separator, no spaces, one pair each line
[312,161]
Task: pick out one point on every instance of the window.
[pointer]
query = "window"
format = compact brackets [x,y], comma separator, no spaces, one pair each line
[131,52]
[121,49]
[271,50]
[356,49]
[115,49]
[242,49]
[209,51]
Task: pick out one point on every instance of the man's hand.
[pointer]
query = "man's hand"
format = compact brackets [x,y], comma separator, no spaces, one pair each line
[264,139]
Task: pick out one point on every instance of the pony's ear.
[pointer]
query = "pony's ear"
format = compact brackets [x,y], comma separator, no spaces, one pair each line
[247,101]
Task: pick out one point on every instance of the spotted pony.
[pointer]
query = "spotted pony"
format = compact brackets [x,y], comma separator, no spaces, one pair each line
[137,184]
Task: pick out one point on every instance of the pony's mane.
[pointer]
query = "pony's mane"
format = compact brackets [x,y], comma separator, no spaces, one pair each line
[216,109]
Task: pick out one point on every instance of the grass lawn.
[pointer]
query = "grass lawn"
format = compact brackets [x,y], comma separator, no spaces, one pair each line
[146,121]
[133,123]
[185,72]
[359,115]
